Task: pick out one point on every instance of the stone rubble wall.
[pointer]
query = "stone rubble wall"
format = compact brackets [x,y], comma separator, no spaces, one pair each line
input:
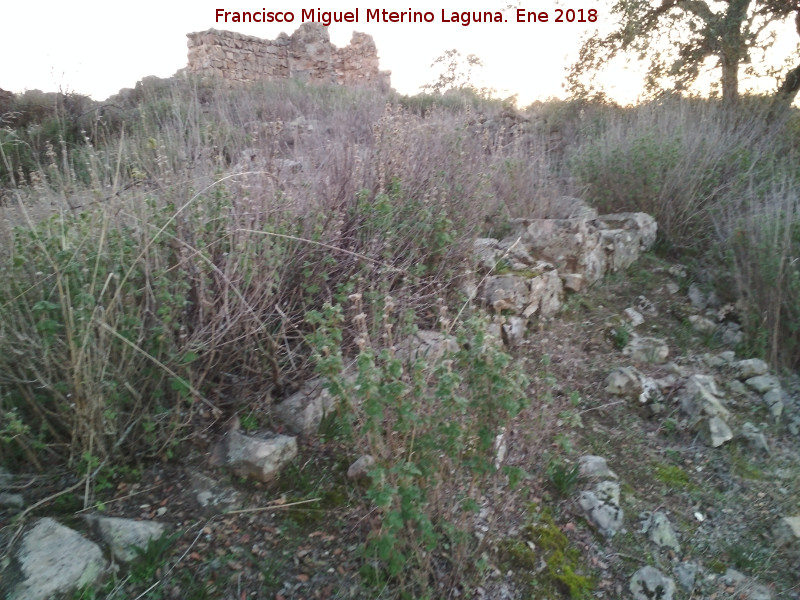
[307,55]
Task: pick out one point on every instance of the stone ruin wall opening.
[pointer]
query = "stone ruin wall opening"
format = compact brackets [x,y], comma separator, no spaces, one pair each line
[307,55]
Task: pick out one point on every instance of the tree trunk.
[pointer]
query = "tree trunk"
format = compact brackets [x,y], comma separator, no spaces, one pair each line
[730,77]
[785,95]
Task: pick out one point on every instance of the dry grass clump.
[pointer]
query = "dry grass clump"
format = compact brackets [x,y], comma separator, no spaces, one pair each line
[723,185]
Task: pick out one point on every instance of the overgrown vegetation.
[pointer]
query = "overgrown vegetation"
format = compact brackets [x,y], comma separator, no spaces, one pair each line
[214,247]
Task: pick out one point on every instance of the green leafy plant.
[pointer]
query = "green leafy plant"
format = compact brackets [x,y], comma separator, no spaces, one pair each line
[431,423]
[563,477]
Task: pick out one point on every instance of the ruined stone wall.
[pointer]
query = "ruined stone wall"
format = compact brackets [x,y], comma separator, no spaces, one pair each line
[307,55]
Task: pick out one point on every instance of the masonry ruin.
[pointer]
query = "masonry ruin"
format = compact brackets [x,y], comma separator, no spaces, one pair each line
[307,55]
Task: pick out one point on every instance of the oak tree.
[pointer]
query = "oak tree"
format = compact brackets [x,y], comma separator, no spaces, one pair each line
[680,38]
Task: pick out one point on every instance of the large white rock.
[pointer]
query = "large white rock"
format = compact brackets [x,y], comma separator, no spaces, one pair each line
[258,457]
[602,508]
[122,536]
[648,583]
[303,411]
[51,560]
[701,396]
[750,367]
[660,531]
[647,349]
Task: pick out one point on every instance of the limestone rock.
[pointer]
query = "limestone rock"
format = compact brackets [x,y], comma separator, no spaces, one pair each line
[702,324]
[763,383]
[686,573]
[732,334]
[259,456]
[514,331]
[514,253]
[602,508]
[360,468]
[648,583]
[642,224]
[426,345]
[658,528]
[303,411]
[787,531]
[547,295]
[508,293]
[622,248]
[212,495]
[755,437]
[595,467]
[15,501]
[751,367]
[572,245]
[633,316]
[744,586]
[486,253]
[51,560]
[697,297]
[701,396]
[573,282]
[717,432]
[774,401]
[647,349]
[123,535]
[632,383]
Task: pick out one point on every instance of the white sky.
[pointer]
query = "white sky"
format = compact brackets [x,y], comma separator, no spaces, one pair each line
[97,48]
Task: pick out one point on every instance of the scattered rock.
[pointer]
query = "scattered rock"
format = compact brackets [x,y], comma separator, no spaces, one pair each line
[701,397]
[744,587]
[51,560]
[751,367]
[573,282]
[630,382]
[702,324]
[648,583]
[633,316]
[360,468]
[717,432]
[774,401]
[602,507]
[259,456]
[16,501]
[485,251]
[595,467]
[678,271]
[303,411]
[763,383]
[514,331]
[737,387]
[547,295]
[672,288]
[427,345]
[123,535]
[697,297]
[647,349]
[787,531]
[686,573]
[658,528]
[507,293]
[755,437]
[646,306]
[642,224]
[211,495]
[732,334]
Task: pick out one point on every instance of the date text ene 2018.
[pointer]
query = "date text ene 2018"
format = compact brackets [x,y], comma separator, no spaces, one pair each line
[561,16]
